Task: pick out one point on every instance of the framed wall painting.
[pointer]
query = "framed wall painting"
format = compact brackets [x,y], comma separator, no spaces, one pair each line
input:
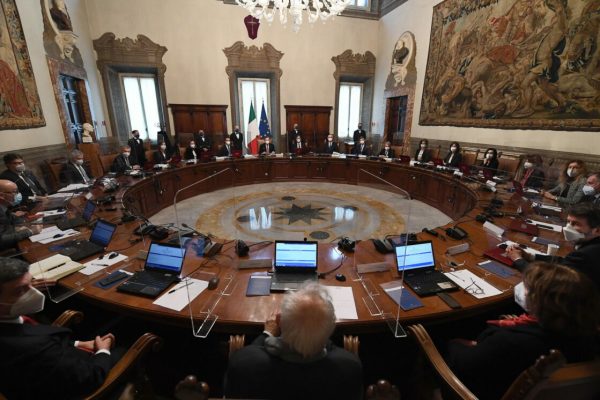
[515,64]
[20,105]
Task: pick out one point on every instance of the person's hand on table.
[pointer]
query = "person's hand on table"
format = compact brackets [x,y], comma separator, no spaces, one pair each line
[272,324]
[549,196]
[515,253]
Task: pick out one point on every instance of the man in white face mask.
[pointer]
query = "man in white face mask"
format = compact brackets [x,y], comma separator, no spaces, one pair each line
[75,170]
[16,171]
[11,232]
[591,190]
[583,230]
[43,361]
[124,161]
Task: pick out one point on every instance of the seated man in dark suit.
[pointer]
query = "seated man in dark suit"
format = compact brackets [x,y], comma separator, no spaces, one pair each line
[29,187]
[11,232]
[123,161]
[226,150]
[591,190]
[138,152]
[191,152]
[43,361]
[361,148]
[387,151]
[74,171]
[298,147]
[293,358]
[583,230]
[267,147]
[161,156]
[330,146]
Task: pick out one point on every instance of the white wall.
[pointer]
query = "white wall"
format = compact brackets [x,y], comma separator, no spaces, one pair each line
[196,32]
[31,20]
[415,16]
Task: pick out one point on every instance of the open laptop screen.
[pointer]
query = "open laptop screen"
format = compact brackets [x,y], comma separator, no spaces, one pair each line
[102,233]
[413,256]
[296,254]
[165,257]
[88,211]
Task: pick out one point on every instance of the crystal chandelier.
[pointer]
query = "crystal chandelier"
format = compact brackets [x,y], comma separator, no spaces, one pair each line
[316,9]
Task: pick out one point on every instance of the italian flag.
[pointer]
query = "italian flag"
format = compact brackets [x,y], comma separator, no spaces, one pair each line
[252,129]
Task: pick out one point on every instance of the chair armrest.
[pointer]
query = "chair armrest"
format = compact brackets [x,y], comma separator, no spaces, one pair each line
[68,318]
[382,390]
[236,342]
[439,364]
[146,343]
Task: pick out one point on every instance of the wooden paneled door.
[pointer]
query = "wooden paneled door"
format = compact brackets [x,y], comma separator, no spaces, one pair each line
[313,122]
[190,118]
[395,119]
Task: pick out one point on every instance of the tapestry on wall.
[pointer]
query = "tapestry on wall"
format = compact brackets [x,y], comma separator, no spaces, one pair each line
[514,64]
[20,105]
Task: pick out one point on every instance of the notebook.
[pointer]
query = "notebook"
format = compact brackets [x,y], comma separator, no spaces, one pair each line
[99,240]
[295,263]
[86,217]
[499,254]
[524,227]
[162,268]
[417,262]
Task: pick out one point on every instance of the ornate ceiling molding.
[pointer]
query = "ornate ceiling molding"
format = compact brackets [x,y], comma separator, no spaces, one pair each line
[252,58]
[350,64]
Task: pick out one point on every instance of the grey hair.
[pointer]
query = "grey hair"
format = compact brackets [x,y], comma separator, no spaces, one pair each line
[307,319]
[11,269]
[76,153]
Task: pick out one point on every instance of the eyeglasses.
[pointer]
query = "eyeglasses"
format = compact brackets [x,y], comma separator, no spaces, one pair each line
[474,289]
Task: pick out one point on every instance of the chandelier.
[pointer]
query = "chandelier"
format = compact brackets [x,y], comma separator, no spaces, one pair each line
[316,9]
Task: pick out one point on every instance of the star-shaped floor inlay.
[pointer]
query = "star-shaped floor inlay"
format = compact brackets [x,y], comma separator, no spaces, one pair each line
[296,213]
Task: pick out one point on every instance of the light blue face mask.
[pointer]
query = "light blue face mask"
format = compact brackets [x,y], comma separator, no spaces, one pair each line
[521,296]
[17,199]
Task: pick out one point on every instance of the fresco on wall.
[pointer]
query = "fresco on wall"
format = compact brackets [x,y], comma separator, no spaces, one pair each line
[20,105]
[514,64]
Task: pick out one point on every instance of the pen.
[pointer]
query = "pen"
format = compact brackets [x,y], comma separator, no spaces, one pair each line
[180,287]
[59,265]
[100,265]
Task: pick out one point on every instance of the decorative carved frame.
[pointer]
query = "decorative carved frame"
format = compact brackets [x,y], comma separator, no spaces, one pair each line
[127,55]
[355,68]
[255,62]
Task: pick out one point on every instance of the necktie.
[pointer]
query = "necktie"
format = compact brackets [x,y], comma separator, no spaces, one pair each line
[83,174]
[127,161]
[29,183]
[386,153]
[228,151]
[299,145]
[362,146]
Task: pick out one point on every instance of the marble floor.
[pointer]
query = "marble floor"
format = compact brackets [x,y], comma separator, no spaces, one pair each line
[293,211]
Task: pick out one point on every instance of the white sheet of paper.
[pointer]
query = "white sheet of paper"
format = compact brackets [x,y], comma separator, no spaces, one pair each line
[465,278]
[343,301]
[555,228]
[177,297]
[53,212]
[47,235]
[91,267]
[73,186]
[60,195]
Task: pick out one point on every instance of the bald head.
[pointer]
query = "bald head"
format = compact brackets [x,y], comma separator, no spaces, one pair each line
[8,190]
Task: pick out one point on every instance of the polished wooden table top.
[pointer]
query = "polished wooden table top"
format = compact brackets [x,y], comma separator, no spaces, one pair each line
[236,312]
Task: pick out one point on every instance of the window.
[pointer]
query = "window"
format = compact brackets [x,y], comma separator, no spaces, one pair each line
[359,3]
[142,104]
[349,108]
[255,92]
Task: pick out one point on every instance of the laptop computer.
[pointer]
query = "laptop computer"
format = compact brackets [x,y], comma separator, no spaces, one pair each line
[417,262]
[99,240]
[86,217]
[162,268]
[295,263]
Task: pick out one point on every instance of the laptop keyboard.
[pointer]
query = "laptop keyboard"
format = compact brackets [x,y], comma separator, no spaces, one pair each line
[150,279]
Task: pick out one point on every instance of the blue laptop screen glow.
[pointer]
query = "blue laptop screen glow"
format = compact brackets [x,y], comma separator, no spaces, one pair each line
[102,233]
[89,209]
[300,254]
[165,258]
[413,256]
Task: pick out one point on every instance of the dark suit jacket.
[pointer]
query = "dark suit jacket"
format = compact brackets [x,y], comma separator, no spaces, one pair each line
[23,187]
[40,362]
[502,353]
[189,153]
[119,165]
[584,259]
[592,199]
[294,148]
[536,179]
[263,148]
[426,155]
[223,151]
[138,152]
[391,153]
[332,149]
[365,151]
[358,134]
[492,166]
[254,373]
[237,142]
[159,158]
[70,174]
[457,159]
[202,142]
[9,237]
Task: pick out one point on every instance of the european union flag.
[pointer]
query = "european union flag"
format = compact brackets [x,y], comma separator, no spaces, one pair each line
[263,127]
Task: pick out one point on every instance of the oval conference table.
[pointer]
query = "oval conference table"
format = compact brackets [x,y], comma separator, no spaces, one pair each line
[459,197]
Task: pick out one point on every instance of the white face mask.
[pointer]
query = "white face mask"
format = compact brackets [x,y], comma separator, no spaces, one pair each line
[572,173]
[453,149]
[20,167]
[361,142]
[571,234]
[521,295]
[298,140]
[489,156]
[527,165]
[330,139]
[79,162]
[423,145]
[227,143]
[387,147]
[163,147]
[193,146]
[126,154]
[30,302]
[588,190]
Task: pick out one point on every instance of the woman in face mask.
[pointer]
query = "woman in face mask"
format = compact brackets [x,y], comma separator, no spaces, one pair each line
[161,156]
[191,152]
[570,184]
[563,312]
[454,157]
[423,154]
[490,161]
[533,173]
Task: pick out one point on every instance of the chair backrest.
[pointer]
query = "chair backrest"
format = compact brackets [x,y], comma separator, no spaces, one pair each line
[508,165]
[106,161]
[470,157]
[54,167]
[551,378]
